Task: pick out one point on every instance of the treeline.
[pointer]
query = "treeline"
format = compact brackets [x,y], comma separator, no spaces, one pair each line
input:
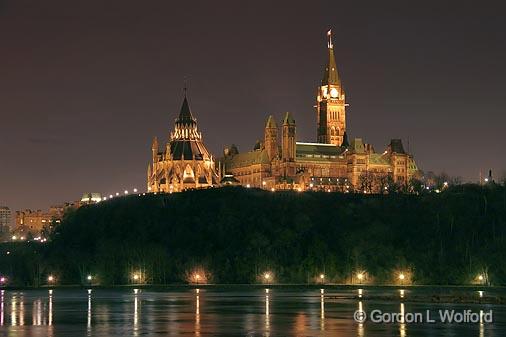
[234,235]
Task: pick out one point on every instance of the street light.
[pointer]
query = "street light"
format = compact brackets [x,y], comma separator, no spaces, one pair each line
[89,278]
[267,277]
[50,278]
[402,277]
[322,277]
[360,277]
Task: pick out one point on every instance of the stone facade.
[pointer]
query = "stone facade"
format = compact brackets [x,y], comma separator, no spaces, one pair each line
[5,221]
[332,163]
[32,223]
[184,163]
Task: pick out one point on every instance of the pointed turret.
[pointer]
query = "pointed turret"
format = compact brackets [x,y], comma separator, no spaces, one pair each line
[271,138]
[345,142]
[154,150]
[271,123]
[288,138]
[288,120]
[331,75]
[185,116]
[330,102]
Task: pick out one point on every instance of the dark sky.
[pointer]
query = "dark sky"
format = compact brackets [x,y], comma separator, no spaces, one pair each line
[85,85]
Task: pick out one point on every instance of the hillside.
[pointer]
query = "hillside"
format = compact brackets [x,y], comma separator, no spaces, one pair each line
[234,235]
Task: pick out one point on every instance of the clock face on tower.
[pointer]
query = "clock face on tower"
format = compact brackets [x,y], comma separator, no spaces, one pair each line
[333,93]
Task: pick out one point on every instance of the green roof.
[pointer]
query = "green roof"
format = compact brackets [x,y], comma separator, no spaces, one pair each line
[330,75]
[247,158]
[318,151]
[357,146]
[379,159]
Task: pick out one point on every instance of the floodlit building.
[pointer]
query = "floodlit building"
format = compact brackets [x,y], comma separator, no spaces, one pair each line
[5,221]
[90,198]
[30,222]
[332,162]
[184,162]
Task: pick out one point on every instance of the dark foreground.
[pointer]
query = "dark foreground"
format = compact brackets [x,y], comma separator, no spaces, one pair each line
[247,311]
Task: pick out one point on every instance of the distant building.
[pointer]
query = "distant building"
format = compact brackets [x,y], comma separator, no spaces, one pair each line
[90,198]
[332,163]
[184,162]
[32,223]
[5,221]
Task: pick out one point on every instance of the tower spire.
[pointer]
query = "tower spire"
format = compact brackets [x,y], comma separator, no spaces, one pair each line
[331,76]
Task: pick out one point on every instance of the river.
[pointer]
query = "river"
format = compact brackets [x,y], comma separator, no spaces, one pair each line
[249,311]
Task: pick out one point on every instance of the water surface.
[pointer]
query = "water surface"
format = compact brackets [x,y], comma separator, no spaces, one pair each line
[246,311]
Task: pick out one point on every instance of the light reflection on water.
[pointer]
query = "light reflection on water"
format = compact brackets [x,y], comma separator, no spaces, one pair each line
[213,311]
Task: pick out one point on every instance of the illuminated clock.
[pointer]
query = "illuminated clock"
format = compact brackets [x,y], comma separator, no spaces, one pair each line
[334,93]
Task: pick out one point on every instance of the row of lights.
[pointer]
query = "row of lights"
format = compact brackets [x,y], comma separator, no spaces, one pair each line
[117,194]
[23,238]
[267,276]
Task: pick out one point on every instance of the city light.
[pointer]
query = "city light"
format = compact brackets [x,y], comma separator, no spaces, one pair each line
[322,276]
[89,277]
[135,190]
[264,183]
[50,278]
[480,277]
[3,279]
[402,276]
[360,276]
[136,277]
[248,186]
[273,190]
[126,192]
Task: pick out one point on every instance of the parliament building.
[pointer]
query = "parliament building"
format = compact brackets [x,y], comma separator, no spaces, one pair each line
[280,162]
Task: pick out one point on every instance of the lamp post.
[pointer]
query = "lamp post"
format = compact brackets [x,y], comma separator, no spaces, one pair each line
[360,277]
[267,277]
[322,278]
[401,278]
[50,279]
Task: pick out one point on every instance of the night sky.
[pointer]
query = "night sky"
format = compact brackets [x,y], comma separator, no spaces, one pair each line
[85,85]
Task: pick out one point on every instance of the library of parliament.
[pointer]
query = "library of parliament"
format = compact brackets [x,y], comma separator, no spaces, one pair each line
[281,162]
